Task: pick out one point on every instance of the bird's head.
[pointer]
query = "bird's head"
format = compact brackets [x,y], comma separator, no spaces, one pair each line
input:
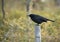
[30,15]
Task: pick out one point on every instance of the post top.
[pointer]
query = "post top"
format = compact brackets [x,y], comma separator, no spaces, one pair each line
[37,24]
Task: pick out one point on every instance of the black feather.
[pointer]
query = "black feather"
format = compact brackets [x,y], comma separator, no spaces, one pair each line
[39,19]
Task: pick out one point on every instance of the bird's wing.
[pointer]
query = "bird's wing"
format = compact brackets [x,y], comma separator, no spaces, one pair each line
[41,18]
[45,19]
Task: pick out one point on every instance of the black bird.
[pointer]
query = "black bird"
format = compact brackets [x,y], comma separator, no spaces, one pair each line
[39,19]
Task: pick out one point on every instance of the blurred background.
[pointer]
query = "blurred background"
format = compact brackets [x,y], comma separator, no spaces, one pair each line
[14,26]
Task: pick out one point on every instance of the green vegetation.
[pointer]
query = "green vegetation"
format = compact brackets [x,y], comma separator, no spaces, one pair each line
[16,24]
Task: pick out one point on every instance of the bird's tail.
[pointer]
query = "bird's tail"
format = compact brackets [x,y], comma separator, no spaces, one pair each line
[51,20]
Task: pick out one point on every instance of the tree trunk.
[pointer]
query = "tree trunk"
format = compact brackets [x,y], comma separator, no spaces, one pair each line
[3,12]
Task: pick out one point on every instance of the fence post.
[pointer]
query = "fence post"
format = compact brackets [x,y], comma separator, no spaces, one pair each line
[37,33]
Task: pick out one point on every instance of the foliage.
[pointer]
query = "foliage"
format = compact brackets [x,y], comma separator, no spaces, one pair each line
[17,29]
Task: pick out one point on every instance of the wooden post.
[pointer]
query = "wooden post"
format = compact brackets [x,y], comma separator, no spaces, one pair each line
[37,33]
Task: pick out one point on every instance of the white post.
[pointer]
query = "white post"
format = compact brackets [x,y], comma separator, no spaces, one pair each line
[37,33]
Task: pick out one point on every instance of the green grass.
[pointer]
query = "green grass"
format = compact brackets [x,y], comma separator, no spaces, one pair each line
[17,20]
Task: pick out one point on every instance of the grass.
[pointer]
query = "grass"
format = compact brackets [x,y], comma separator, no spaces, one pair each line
[17,20]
